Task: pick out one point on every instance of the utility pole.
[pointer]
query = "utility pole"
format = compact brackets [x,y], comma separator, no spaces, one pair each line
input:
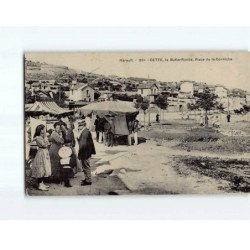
[144,114]
[148,116]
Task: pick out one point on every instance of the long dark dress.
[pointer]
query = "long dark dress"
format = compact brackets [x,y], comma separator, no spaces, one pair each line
[56,143]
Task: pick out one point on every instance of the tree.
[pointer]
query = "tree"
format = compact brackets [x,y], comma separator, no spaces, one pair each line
[162,102]
[129,98]
[246,108]
[122,97]
[220,107]
[191,106]
[60,98]
[29,98]
[206,101]
[65,77]
[144,106]
[96,95]
[139,100]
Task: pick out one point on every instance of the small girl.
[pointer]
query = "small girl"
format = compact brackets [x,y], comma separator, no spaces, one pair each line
[41,167]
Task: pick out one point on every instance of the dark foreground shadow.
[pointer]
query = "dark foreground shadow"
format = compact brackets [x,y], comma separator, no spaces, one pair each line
[123,140]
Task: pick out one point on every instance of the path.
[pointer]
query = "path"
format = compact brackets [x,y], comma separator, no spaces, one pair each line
[142,169]
[150,169]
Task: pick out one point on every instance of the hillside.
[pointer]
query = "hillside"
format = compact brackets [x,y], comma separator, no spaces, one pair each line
[44,71]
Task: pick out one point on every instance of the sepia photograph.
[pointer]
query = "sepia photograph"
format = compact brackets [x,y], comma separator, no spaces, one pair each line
[150,103]
[136,123]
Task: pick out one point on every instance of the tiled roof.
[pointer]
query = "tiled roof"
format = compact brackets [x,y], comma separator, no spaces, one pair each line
[146,86]
[80,86]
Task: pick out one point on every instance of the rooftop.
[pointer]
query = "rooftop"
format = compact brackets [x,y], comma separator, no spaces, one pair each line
[146,85]
[80,86]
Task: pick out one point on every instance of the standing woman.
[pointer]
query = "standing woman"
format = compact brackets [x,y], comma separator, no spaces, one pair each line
[57,141]
[68,135]
[69,141]
[41,165]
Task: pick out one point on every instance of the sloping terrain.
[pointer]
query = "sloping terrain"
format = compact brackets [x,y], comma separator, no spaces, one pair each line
[43,71]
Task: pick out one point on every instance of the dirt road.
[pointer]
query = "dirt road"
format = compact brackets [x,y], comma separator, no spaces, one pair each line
[151,169]
[157,167]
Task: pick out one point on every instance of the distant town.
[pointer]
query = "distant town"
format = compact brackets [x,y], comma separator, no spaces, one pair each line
[74,89]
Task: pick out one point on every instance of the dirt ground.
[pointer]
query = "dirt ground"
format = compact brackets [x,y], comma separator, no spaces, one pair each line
[175,157]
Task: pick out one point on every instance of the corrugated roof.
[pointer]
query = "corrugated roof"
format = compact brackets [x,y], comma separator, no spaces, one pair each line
[47,107]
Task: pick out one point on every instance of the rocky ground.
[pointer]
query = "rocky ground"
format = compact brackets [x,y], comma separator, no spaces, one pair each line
[177,157]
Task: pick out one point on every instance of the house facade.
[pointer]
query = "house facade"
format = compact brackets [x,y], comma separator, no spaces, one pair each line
[187,88]
[232,103]
[81,92]
[220,91]
[36,86]
[147,89]
[248,98]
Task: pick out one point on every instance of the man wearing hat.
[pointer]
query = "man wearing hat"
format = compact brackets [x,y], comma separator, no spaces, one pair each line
[86,149]
[111,132]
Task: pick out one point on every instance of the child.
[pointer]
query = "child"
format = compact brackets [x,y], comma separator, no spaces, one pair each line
[66,162]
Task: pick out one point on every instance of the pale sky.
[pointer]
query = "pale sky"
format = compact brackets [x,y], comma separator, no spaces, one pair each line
[232,72]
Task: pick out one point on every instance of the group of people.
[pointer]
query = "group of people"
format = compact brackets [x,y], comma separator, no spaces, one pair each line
[47,166]
[105,130]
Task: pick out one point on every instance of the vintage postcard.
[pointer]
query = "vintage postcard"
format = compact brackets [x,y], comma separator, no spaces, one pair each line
[129,123]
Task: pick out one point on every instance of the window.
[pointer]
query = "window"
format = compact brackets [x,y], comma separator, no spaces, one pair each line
[87,93]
